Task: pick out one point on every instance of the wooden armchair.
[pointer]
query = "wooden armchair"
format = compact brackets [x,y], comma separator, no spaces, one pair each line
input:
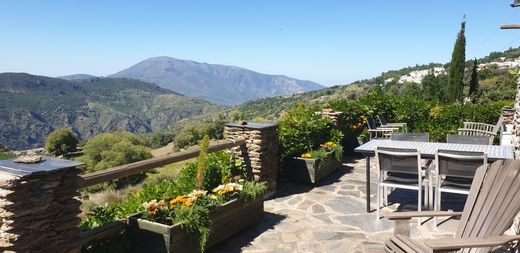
[490,209]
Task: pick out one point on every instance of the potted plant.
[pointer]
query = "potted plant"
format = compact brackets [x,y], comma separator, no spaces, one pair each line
[303,130]
[315,164]
[196,221]
[208,214]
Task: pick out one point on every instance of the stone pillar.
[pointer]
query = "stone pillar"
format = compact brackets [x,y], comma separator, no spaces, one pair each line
[260,153]
[516,122]
[507,115]
[335,116]
[38,206]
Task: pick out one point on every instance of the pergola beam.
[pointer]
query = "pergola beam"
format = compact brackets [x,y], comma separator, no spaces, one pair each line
[510,26]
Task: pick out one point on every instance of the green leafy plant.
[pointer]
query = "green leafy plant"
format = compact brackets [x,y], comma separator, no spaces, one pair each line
[61,141]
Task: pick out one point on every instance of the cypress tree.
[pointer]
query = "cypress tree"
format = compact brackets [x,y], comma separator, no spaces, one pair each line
[473,84]
[456,70]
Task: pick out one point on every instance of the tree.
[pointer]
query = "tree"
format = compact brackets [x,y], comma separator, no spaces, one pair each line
[61,141]
[473,84]
[113,149]
[433,89]
[456,70]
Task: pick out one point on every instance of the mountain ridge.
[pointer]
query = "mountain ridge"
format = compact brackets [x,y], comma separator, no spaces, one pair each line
[223,84]
[33,106]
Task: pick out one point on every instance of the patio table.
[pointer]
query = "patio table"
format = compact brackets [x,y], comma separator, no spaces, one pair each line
[428,150]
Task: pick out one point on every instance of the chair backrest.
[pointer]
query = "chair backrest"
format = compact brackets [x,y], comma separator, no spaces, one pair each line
[419,137]
[475,132]
[468,139]
[382,119]
[398,160]
[479,126]
[458,163]
[493,201]
[371,123]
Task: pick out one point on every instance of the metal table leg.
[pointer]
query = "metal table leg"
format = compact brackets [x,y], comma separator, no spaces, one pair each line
[368,182]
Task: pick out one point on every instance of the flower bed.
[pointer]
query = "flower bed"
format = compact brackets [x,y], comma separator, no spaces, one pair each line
[226,220]
[311,167]
[198,220]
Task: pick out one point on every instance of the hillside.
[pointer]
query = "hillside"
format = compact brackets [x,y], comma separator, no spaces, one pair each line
[76,77]
[495,83]
[221,84]
[33,106]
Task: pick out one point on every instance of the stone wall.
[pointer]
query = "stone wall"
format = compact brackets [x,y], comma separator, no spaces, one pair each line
[335,116]
[508,114]
[516,122]
[260,153]
[39,212]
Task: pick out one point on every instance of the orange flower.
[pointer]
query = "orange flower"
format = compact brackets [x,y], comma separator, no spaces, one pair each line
[354,126]
[153,212]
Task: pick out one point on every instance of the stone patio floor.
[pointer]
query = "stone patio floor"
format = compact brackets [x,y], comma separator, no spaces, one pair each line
[331,217]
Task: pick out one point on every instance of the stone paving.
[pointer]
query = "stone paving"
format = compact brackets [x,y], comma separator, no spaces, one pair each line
[331,217]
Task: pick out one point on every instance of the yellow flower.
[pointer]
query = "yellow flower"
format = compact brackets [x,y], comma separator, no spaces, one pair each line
[307,155]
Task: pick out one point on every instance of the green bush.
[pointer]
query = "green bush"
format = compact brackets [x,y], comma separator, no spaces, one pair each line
[302,129]
[113,149]
[437,119]
[166,192]
[190,135]
[5,153]
[61,141]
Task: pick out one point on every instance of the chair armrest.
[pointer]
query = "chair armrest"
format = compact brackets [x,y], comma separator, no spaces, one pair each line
[472,242]
[381,130]
[409,215]
[394,124]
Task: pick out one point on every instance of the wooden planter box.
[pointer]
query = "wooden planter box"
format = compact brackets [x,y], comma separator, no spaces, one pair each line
[311,170]
[228,219]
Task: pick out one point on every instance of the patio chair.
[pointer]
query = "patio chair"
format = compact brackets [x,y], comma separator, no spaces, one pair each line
[454,172]
[481,129]
[400,168]
[375,132]
[489,211]
[469,139]
[419,137]
[386,124]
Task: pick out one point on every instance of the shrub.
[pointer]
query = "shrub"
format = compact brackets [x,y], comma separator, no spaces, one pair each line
[302,129]
[61,141]
[435,118]
[5,153]
[113,149]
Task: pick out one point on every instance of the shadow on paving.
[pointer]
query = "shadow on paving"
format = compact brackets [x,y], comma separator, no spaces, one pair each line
[407,200]
[287,188]
[242,239]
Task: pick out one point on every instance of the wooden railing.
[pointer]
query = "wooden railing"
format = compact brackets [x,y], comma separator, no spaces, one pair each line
[136,168]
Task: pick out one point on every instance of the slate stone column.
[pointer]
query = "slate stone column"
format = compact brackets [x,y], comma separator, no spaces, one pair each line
[260,153]
[38,206]
[516,122]
[335,116]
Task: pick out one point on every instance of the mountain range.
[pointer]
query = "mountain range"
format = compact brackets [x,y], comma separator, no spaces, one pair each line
[33,106]
[222,84]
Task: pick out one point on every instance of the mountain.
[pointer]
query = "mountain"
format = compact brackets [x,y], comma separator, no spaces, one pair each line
[221,84]
[33,106]
[496,82]
[76,77]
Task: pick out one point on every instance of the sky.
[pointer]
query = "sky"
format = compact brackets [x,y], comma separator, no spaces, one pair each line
[329,42]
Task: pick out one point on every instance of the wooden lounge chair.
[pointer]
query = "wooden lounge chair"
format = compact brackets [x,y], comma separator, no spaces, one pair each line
[490,209]
[481,129]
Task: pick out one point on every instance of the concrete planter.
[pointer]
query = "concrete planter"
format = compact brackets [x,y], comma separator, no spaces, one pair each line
[228,219]
[311,170]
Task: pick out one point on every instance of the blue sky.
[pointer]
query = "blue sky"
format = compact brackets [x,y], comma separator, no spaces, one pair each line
[330,42]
